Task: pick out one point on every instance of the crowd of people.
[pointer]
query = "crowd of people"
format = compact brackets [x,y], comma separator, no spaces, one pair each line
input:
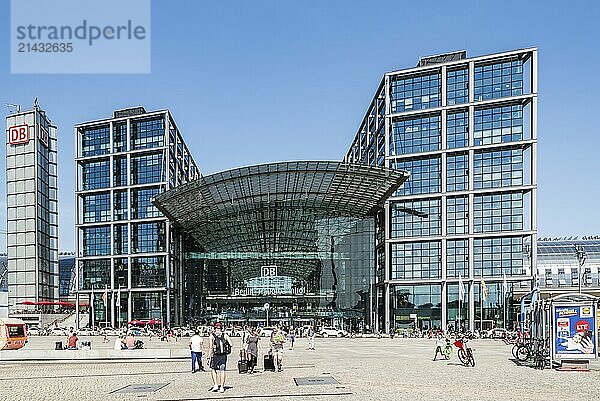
[219,345]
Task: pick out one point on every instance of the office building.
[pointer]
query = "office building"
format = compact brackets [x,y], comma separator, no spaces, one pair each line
[129,256]
[450,242]
[32,208]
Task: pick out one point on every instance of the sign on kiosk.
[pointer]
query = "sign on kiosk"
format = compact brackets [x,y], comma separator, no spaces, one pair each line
[575,331]
[18,134]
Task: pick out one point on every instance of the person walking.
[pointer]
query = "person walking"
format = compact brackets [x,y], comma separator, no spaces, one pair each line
[196,343]
[252,349]
[311,338]
[277,341]
[244,337]
[219,348]
[292,338]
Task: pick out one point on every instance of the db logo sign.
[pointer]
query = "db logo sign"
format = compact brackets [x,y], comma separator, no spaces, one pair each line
[18,134]
[268,271]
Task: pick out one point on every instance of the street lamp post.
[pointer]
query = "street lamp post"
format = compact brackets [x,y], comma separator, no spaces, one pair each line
[581,257]
[267,306]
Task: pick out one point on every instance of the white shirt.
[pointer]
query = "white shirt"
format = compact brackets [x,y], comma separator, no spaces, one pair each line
[118,343]
[196,342]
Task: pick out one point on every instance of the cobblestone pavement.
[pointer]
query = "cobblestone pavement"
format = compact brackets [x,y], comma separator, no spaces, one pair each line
[373,369]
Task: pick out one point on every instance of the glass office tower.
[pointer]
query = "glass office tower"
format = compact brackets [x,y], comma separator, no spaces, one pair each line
[466,130]
[129,257]
[32,208]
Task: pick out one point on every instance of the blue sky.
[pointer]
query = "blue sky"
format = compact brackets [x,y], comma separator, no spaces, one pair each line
[256,81]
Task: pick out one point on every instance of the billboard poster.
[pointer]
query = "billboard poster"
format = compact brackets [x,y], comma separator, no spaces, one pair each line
[575,331]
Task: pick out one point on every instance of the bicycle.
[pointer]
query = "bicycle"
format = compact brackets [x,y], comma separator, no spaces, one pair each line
[535,349]
[522,350]
[465,354]
[444,347]
[541,352]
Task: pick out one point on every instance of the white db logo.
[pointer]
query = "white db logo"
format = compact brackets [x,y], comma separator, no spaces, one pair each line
[267,271]
[18,134]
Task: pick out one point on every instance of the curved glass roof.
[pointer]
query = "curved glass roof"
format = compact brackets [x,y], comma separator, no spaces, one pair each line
[259,212]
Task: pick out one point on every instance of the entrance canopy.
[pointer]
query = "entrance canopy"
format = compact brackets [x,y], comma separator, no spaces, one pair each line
[275,211]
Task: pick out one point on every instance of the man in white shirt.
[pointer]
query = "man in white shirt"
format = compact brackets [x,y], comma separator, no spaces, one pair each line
[195,345]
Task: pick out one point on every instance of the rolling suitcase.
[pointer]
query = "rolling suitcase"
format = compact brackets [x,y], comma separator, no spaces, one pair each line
[269,362]
[242,366]
[243,363]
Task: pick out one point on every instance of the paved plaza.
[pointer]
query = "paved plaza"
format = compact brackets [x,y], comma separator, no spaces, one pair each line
[365,369]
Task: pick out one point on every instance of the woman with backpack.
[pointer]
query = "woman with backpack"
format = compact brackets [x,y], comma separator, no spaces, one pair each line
[219,348]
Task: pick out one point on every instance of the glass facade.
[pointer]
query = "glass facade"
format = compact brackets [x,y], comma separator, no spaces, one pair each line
[498,212]
[420,218]
[96,207]
[457,172]
[139,250]
[425,301]
[96,241]
[147,169]
[475,119]
[141,204]
[96,175]
[457,130]
[425,175]
[457,86]
[416,92]
[495,169]
[415,135]
[95,141]
[498,79]
[498,125]
[494,257]
[457,215]
[416,260]
[147,133]
[457,258]
[558,266]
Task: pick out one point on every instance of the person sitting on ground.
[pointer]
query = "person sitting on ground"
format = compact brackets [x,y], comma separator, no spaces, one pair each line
[72,341]
[130,341]
[119,343]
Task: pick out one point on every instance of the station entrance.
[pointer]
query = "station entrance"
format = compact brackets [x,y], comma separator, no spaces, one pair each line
[299,236]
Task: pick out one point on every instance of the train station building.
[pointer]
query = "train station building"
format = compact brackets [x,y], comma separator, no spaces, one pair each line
[429,218]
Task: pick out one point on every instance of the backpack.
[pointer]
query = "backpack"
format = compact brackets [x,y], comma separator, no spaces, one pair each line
[220,345]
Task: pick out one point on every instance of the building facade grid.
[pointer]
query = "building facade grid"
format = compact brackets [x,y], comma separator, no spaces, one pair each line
[129,260]
[479,169]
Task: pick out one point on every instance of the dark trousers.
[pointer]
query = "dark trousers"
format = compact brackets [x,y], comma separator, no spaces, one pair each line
[196,356]
[251,362]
